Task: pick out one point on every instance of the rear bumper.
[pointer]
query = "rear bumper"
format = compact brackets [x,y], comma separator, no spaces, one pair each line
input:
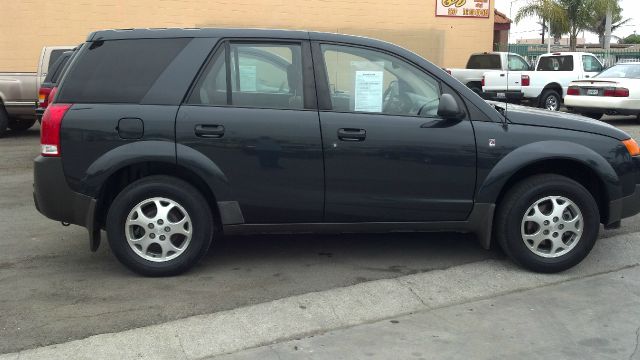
[504,95]
[54,199]
[625,207]
[602,104]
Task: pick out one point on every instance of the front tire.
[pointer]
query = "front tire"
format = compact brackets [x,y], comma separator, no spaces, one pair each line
[547,223]
[550,100]
[159,226]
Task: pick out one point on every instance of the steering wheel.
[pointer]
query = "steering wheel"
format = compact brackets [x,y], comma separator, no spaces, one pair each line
[394,101]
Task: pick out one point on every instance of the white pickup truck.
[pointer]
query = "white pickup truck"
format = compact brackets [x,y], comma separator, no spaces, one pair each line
[19,91]
[481,63]
[545,87]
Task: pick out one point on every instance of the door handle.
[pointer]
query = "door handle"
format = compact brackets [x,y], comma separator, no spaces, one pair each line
[352,134]
[209,131]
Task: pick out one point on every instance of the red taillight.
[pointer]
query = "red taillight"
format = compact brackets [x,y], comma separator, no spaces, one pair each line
[482,82]
[616,92]
[50,129]
[525,80]
[43,97]
[573,90]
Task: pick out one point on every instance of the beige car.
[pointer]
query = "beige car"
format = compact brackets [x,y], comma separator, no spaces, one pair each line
[19,92]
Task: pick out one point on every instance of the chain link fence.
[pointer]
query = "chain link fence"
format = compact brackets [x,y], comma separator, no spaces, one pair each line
[610,57]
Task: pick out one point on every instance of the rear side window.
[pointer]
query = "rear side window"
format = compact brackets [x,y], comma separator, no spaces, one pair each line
[555,63]
[56,69]
[55,55]
[483,61]
[118,71]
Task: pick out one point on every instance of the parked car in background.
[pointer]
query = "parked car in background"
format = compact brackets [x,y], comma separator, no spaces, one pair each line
[170,138]
[19,92]
[547,86]
[481,63]
[613,91]
[51,81]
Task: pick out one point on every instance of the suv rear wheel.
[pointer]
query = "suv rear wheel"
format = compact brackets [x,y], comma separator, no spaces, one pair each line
[159,226]
[547,223]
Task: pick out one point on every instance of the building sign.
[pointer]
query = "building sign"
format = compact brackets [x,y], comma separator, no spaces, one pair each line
[463,8]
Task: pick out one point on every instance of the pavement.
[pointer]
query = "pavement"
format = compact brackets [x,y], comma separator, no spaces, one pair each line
[58,300]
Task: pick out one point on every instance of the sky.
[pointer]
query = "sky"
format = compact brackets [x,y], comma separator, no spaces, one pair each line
[528,28]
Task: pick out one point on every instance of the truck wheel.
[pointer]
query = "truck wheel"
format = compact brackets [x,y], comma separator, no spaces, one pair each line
[4,120]
[547,223]
[550,100]
[596,116]
[21,125]
[159,226]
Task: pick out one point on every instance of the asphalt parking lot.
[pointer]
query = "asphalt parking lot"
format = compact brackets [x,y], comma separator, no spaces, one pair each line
[54,290]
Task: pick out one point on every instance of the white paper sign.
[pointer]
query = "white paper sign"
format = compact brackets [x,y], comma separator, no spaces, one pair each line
[368,91]
[248,81]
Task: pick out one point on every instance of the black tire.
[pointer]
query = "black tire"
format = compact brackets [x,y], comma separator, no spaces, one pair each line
[638,118]
[516,202]
[476,89]
[4,120]
[21,125]
[595,116]
[202,225]
[550,95]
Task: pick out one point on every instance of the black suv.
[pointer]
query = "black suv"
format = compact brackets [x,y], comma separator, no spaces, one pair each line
[169,138]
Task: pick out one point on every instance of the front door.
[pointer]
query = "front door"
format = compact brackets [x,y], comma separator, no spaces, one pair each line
[388,157]
[252,112]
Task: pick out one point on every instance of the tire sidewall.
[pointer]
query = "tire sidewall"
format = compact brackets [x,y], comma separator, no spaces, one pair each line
[4,120]
[182,193]
[591,225]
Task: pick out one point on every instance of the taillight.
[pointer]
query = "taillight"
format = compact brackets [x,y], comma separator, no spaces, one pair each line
[50,129]
[43,97]
[525,80]
[573,90]
[616,92]
[482,81]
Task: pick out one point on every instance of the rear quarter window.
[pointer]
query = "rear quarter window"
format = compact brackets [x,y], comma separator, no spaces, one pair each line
[488,61]
[118,71]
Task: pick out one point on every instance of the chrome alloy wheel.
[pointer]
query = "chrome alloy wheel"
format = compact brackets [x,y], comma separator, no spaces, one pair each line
[158,229]
[552,226]
[551,103]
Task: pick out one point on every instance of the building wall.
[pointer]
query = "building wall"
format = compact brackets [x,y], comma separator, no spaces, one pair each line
[28,25]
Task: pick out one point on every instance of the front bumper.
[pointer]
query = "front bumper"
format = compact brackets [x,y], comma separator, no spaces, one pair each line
[54,199]
[625,207]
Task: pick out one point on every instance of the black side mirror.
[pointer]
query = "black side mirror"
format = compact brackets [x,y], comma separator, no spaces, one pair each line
[449,108]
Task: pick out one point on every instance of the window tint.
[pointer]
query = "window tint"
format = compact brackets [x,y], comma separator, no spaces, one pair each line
[262,75]
[591,64]
[483,61]
[516,63]
[556,63]
[211,88]
[53,57]
[363,80]
[118,71]
[56,69]
[266,76]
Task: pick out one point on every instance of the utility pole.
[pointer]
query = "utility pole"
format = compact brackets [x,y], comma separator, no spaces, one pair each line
[607,28]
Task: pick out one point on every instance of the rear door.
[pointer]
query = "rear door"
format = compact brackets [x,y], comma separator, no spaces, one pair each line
[252,112]
[388,156]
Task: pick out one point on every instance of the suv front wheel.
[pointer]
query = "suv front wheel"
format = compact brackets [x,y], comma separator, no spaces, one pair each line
[159,226]
[547,223]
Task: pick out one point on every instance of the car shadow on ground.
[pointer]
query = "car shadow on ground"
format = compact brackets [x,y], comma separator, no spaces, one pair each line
[33,132]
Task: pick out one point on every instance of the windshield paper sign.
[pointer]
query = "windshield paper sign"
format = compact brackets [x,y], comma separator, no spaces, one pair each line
[463,8]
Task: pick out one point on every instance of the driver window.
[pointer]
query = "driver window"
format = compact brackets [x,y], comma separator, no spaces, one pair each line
[362,80]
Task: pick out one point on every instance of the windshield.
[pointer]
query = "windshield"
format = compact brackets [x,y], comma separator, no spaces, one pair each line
[631,71]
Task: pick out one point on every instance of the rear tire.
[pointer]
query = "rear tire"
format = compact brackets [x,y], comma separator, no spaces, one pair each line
[159,226]
[4,120]
[547,223]
[550,100]
[595,116]
[21,125]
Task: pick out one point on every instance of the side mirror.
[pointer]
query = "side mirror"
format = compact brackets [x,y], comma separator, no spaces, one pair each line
[449,108]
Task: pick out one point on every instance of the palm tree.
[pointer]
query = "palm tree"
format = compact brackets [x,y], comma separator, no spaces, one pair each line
[605,13]
[566,16]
